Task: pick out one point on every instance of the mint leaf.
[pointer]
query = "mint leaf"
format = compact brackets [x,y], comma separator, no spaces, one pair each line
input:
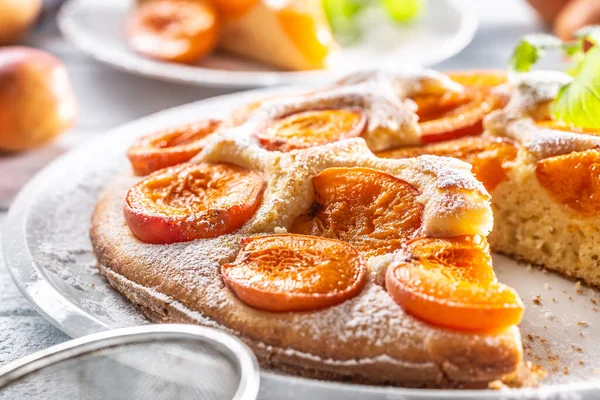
[530,49]
[578,103]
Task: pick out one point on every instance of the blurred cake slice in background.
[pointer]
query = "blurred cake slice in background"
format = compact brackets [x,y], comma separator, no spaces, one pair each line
[289,34]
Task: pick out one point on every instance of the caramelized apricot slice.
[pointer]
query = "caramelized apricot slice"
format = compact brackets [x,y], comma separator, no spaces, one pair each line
[283,273]
[374,211]
[192,201]
[451,283]
[573,180]
[170,146]
[174,30]
[311,128]
[561,126]
[487,155]
[234,8]
[307,27]
[454,115]
[486,79]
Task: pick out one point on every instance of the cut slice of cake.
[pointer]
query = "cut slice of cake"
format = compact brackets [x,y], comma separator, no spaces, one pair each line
[543,177]
[290,34]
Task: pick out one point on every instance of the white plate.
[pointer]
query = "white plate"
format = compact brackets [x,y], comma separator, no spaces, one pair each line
[49,255]
[96,27]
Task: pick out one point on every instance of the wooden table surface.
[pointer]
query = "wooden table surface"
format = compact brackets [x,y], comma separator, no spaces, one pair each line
[109,97]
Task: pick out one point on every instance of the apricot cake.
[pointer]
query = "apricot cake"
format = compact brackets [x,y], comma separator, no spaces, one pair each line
[281,226]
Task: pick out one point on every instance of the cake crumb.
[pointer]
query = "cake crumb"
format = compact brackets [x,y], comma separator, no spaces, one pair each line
[566,370]
[537,300]
[593,301]
[577,349]
[549,316]
[547,286]
[528,268]
[580,362]
[554,299]
[582,323]
[280,230]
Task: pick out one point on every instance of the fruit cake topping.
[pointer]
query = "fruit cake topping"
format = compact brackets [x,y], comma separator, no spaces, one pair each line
[174,30]
[486,154]
[451,283]
[573,180]
[391,121]
[170,146]
[283,273]
[312,128]
[374,211]
[455,114]
[192,201]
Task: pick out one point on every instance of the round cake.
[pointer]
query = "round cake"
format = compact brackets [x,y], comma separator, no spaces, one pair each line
[297,225]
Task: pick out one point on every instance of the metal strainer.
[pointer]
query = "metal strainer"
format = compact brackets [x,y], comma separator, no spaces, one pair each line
[147,362]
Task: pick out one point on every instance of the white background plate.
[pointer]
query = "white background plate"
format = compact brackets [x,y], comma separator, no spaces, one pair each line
[49,255]
[97,28]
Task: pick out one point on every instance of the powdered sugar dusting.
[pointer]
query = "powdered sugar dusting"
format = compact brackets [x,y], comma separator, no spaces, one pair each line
[530,102]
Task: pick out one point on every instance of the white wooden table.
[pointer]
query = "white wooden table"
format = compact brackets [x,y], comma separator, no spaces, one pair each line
[108,98]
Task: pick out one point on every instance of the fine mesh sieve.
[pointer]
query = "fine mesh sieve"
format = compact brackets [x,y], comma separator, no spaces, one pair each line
[148,362]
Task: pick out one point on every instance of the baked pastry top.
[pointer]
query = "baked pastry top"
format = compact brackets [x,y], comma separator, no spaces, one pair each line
[424,308]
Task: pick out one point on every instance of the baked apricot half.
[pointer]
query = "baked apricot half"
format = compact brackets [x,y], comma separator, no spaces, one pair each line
[450,283]
[454,115]
[561,126]
[173,30]
[283,273]
[573,180]
[374,211]
[311,128]
[192,201]
[487,155]
[170,147]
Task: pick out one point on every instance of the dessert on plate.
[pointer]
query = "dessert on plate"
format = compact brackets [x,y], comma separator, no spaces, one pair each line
[291,34]
[280,224]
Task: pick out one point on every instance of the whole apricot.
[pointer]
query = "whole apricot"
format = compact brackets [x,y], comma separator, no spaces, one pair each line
[36,99]
[16,16]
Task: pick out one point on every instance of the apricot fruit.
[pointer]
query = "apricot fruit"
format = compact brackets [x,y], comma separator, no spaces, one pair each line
[487,155]
[170,146]
[192,201]
[454,115]
[282,273]
[37,103]
[173,30]
[573,180]
[561,126]
[16,17]
[311,128]
[449,282]
[374,211]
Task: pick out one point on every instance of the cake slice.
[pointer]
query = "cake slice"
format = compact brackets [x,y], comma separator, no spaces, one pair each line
[292,34]
[543,178]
